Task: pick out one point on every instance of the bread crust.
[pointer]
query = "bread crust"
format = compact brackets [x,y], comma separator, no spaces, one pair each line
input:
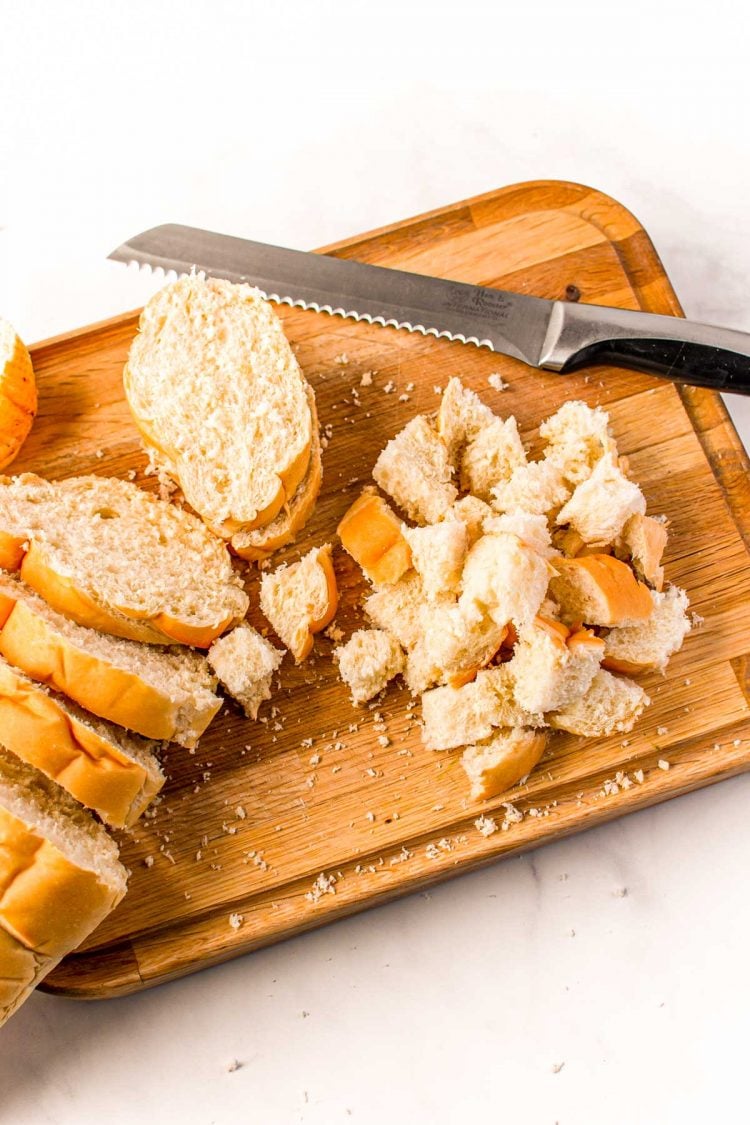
[371,533]
[21,970]
[18,397]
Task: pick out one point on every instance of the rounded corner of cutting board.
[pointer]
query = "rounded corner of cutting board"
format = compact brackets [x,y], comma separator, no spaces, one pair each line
[96,975]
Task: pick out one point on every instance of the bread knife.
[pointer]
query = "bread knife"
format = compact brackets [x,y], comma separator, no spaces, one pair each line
[555,335]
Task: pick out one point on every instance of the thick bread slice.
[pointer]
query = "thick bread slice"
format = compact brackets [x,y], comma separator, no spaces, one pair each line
[438,552]
[414,469]
[161,693]
[118,559]
[368,662]
[577,437]
[261,542]
[21,970]
[18,399]
[371,532]
[219,398]
[603,503]
[457,716]
[245,662]
[497,764]
[115,773]
[504,579]
[551,666]
[599,590]
[301,599]
[611,705]
[60,874]
[648,646]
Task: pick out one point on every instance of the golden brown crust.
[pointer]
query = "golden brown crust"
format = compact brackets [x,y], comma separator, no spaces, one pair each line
[47,902]
[36,727]
[371,533]
[625,598]
[21,970]
[518,759]
[18,401]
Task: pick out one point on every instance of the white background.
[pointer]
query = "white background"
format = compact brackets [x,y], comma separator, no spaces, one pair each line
[301,123]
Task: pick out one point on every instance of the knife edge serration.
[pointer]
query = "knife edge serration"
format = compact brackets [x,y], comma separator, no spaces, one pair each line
[169,275]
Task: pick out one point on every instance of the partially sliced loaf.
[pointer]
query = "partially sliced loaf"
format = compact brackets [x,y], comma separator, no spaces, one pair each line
[108,770]
[438,552]
[371,532]
[368,662]
[60,876]
[610,706]
[261,542]
[552,667]
[245,663]
[218,396]
[415,470]
[118,559]
[162,693]
[603,503]
[649,645]
[502,761]
[301,599]
[18,398]
[599,590]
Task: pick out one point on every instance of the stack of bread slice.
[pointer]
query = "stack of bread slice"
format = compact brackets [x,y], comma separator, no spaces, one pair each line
[225,411]
[522,595]
[107,595]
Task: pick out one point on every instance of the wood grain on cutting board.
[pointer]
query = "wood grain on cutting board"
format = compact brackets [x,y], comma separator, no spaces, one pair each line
[249,822]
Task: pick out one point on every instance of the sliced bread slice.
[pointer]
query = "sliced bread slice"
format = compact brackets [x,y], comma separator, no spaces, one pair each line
[368,662]
[648,646]
[502,760]
[301,599]
[219,398]
[415,470]
[18,398]
[599,590]
[60,876]
[245,663]
[261,542]
[161,693]
[371,532]
[118,559]
[610,706]
[108,770]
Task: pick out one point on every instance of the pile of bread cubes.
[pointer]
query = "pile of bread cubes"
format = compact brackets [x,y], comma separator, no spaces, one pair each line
[514,596]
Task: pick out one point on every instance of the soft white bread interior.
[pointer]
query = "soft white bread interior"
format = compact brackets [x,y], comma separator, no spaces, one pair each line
[18,397]
[611,705]
[60,876]
[161,693]
[415,470]
[503,579]
[472,512]
[551,666]
[371,532]
[502,760]
[219,399]
[536,488]
[400,609]
[438,552]
[483,448]
[368,662]
[107,769]
[260,543]
[118,559]
[577,437]
[245,663]
[649,645]
[301,599]
[451,647]
[461,417]
[603,503]
[599,590]
[456,716]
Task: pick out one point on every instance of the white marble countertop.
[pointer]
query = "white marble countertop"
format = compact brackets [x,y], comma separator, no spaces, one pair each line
[603,979]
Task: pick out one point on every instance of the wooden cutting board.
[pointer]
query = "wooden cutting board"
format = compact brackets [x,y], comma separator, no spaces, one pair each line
[251,820]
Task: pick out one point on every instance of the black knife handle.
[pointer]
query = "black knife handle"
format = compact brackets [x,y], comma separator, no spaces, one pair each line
[676,349]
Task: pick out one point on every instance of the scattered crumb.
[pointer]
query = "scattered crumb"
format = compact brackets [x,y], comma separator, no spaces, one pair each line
[663,764]
[342,359]
[662,730]
[557,1067]
[496,381]
[334,633]
[384,740]
[366,380]
[620,892]
[235,1064]
[236,920]
[389,387]
[437,389]
[323,885]
[148,861]
[240,813]
[485,825]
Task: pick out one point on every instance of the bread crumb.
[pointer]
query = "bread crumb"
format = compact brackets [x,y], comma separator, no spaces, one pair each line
[662,730]
[342,359]
[334,633]
[485,825]
[366,380]
[240,813]
[497,382]
[384,740]
[236,920]
[389,387]
[315,760]
[403,398]
[437,389]
[148,861]
[620,892]
[557,1067]
[663,764]
[99,453]
[323,885]
[638,775]
[370,816]
[235,1064]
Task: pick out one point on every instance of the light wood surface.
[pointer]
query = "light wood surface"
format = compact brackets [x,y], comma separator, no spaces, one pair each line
[385,820]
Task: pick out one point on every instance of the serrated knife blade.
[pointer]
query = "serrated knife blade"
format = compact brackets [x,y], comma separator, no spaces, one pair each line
[556,335]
